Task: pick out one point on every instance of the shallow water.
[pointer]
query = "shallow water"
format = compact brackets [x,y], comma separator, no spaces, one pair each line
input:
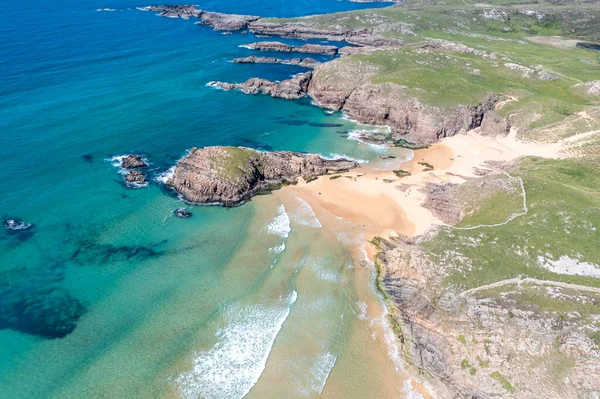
[111,295]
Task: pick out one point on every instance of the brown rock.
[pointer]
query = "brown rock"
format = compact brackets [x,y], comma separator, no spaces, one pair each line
[303,62]
[231,175]
[290,89]
[135,177]
[286,48]
[133,161]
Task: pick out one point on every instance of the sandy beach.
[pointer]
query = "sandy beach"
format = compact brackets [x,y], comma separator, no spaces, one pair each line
[381,203]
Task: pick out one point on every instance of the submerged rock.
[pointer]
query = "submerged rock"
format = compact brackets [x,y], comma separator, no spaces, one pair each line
[17,225]
[230,176]
[182,213]
[133,161]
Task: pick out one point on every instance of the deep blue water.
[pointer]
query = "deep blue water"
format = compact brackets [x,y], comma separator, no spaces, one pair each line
[103,262]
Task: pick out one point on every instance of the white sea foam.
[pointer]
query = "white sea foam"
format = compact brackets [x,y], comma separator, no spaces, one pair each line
[362,310]
[321,270]
[409,392]
[105,9]
[334,156]
[232,367]
[163,177]
[281,224]
[321,370]
[355,135]
[305,215]
[277,249]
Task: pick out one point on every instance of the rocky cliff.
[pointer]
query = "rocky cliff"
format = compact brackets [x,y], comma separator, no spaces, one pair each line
[231,175]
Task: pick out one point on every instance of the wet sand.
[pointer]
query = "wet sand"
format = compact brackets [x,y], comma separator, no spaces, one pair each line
[376,202]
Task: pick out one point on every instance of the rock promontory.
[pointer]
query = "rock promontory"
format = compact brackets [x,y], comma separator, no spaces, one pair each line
[290,89]
[230,176]
[302,62]
[288,48]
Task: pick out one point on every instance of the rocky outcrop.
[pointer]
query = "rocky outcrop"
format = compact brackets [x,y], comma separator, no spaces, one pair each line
[483,344]
[135,178]
[302,62]
[231,175]
[290,89]
[591,88]
[441,203]
[287,48]
[226,22]
[182,213]
[304,30]
[219,21]
[185,11]
[494,125]
[289,29]
[133,161]
[342,85]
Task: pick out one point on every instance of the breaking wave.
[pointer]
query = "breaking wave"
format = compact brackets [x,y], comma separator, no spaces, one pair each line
[232,367]
[281,224]
[304,215]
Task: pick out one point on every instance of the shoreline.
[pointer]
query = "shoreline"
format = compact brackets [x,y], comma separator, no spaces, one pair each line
[380,204]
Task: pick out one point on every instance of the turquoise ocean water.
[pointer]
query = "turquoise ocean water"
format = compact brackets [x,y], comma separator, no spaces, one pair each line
[110,295]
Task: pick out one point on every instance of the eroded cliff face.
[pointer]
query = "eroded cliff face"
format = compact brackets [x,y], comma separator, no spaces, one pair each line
[230,176]
[345,85]
[482,344]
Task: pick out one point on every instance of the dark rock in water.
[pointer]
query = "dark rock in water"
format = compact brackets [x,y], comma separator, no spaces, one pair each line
[17,225]
[182,213]
[47,312]
[90,253]
[133,161]
[89,158]
[292,122]
[326,124]
[135,177]
[231,175]
[387,157]
[302,62]
[287,48]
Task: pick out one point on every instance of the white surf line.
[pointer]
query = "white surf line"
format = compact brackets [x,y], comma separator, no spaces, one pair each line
[529,280]
[511,217]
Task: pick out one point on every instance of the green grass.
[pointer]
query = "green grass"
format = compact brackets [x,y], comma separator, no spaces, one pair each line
[236,165]
[563,220]
[502,380]
[461,339]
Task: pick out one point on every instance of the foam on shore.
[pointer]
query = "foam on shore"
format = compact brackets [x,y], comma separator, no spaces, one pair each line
[235,363]
[304,215]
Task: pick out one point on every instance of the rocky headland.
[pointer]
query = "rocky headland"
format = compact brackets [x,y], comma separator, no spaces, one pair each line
[290,89]
[288,48]
[302,62]
[266,27]
[230,176]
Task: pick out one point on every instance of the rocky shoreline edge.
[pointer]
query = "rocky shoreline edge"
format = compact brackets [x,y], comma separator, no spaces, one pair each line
[335,88]
[230,176]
